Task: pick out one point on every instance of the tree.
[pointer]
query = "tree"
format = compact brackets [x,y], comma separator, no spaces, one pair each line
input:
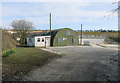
[116,10]
[23,28]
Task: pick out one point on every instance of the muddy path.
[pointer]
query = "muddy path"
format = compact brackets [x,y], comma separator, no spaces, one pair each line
[79,64]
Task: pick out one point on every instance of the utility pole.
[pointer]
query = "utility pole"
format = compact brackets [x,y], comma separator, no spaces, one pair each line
[50,24]
[81,36]
[50,29]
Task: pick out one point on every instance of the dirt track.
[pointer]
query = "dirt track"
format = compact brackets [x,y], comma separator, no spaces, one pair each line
[79,64]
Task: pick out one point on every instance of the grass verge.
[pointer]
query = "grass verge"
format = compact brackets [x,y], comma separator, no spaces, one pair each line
[101,45]
[23,61]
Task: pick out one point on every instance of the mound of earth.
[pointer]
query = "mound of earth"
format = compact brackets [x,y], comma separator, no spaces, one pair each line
[7,41]
[112,40]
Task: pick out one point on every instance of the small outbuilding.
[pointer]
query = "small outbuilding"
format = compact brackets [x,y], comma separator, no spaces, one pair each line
[59,37]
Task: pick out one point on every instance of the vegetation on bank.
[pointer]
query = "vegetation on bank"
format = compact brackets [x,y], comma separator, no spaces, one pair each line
[23,61]
[108,34]
[7,52]
[7,41]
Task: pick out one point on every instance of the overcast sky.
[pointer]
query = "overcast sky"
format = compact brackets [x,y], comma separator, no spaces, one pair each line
[93,14]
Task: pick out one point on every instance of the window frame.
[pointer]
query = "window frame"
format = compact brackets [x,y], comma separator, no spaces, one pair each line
[38,39]
[74,40]
[64,39]
[59,40]
[68,32]
[43,39]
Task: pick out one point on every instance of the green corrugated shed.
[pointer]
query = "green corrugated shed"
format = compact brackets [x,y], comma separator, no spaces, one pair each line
[62,37]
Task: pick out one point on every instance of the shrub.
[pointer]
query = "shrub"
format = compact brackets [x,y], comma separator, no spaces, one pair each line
[6,53]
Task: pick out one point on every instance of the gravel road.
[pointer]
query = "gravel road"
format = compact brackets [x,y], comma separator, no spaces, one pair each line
[80,63]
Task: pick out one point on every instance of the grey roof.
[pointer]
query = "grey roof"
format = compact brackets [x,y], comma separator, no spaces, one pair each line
[45,33]
[53,32]
[31,35]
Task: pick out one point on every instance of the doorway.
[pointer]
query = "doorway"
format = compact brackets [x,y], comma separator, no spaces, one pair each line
[47,41]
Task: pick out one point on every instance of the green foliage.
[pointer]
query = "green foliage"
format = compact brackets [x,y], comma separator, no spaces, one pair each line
[6,53]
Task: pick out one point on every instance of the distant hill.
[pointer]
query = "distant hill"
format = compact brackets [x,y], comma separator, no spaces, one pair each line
[7,41]
[110,37]
[108,34]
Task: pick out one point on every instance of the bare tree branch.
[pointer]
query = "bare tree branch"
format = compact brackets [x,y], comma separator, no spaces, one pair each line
[23,28]
[116,10]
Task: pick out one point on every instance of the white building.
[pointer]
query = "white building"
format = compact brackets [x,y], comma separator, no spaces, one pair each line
[11,32]
[37,40]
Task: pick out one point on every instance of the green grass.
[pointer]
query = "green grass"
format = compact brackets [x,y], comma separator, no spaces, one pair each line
[24,60]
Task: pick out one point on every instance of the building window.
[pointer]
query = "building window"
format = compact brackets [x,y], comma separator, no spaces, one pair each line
[38,40]
[67,32]
[60,40]
[74,40]
[42,39]
[64,38]
[30,40]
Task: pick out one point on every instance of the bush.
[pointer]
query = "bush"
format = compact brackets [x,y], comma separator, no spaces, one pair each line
[6,53]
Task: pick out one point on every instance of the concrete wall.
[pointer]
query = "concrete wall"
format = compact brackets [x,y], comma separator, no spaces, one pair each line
[93,41]
[93,36]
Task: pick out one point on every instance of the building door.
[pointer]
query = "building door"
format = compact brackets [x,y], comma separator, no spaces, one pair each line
[47,41]
[70,41]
